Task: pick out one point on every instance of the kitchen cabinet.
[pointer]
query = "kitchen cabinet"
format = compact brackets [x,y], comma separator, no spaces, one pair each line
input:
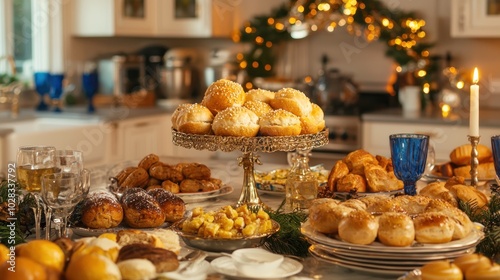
[150,18]
[475,18]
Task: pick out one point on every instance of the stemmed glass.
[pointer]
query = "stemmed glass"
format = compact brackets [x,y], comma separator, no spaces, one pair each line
[90,84]
[61,192]
[409,157]
[32,163]
[495,147]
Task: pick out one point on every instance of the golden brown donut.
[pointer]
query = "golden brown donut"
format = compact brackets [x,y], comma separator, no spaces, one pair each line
[293,101]
[279,123]
[223,94]
[101,210]
[358,227]
[396,229]
[236,121]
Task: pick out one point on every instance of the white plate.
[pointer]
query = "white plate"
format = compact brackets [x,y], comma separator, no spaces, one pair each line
[467,242]
[225,265]
[195,272]
[88,232]
[201,196]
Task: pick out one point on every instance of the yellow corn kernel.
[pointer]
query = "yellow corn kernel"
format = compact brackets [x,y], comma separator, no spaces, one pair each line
[265,226]
[211,229]
[224,233]
[230,212]
[239,223]
[197,211]
[227,224]
[243,210]
[261,214]
[249,230]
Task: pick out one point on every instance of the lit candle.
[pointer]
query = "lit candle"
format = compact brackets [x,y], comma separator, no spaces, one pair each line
[474,106]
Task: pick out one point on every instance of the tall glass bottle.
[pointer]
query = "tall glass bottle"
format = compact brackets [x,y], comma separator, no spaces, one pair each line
[301,186]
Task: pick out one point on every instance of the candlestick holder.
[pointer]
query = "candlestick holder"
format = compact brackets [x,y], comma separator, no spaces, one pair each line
[474,141]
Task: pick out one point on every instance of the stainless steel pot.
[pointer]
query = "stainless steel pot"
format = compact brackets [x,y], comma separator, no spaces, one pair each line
[179,79]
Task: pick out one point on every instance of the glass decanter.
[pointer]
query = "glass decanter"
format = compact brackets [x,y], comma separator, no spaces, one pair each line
[301,186]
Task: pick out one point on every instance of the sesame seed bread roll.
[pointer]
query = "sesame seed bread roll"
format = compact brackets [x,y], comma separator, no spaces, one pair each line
[177,112]
[279,123]
[433,228]
[236,121]
[359,227]
[195,119]
[258,107]
[396,229]
[293,101]
[260,95]
[314,122]
[222,94]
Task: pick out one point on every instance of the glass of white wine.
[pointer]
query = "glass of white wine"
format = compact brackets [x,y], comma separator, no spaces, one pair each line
[31,164]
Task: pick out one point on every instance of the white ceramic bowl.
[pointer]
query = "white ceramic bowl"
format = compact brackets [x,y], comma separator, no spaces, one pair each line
[249,261]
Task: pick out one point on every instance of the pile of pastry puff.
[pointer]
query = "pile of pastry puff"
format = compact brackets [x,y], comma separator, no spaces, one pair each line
[227,110]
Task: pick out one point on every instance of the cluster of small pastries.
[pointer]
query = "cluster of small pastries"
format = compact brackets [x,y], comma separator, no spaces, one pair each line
[361,171]
[459,163]
[394,221]
[227,110]
[454,190]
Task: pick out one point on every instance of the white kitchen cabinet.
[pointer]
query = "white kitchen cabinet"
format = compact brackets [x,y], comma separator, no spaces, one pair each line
[151,18]
[444,138]
[475,18]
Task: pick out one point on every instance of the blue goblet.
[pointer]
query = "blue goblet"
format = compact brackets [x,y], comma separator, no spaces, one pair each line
[56,91]
[495,148]
[409,157]
[89,84]
[42,86]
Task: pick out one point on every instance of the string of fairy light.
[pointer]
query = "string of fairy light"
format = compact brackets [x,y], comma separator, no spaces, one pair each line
[371,19]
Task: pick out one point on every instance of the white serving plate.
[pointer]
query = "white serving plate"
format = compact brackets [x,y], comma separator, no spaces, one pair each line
[224,265]
[201,196]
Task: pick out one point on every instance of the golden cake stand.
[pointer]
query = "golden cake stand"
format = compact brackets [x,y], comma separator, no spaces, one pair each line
[249,146]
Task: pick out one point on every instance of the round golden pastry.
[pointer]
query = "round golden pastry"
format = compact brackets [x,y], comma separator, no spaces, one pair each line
[354,203]
[433,228]
[292,100]
[258,107]
[236,121]
[396,229]
[356,161]
[437,190]
[351,182]
[359,227]
[223,94]
[462,223]
[484,170]
[483,270]
[279,123]
[177,112]
[141,210]
[412,204]
[338,171]
[195,119]
[461,154]
[464,262]
[172,206]
[314,122]
[258,94]
[326,216]
[101,210]
[442,269]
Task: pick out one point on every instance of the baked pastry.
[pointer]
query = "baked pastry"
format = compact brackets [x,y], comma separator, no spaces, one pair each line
[469,194]
[384,162]
[292,100]
[379,180]
[484,170]
[279,123]
[141,210]
[147,161]
[357,160]
[259,95]
[101,210]
[396,229]
[173,207]
[412,204]
[195,119]
[163,171]
[338,171]
[433,227]
[381,204]
[351,183]
[462,223]
[313,122]
[466,261]
[461,154]
[170,186]
[437,190]
[135,236]
[236,121]
[177,112]
[258,107]
[164,260]
[137,269]
[442,269]
[169,239]
[223,94]
[194,171]
[326,216]
[354,203]
[483,271]
[359,227]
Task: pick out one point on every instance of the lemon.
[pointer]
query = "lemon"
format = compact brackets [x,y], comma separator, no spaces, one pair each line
[25,268]
[111,253]
[109,235]
[92,266]
[4,253]
[44,252]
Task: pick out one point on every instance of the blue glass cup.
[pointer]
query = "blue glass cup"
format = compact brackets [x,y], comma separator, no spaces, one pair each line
[42,86]
[409,157]
[495,148]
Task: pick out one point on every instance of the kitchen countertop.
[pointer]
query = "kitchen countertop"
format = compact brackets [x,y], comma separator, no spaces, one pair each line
[487,117]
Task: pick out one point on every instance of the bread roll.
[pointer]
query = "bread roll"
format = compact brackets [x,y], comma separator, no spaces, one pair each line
[293,101]
[164,260]
[351,183]
[357,160]
[223,94]
[461,154]
[325,217]
[173,207]
[314,122]
[381,204]
[358,227]
[338,171]
[279,123]
[137,269]
[464,262]
[236,121]
[195,119]
[437,190]
[484,270]
[396,229]
[258,107]
[469,194]
[259,95]
[412,204]
[135,236]
[439,270]
[177,112]
[101,210]
[354,204]
[433,228]
[379,180]
[142,211]
[484,170]
[462,223]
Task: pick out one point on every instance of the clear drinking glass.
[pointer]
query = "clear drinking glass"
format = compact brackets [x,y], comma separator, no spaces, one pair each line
[495,148]
[61,192]
[409,156]
[32,163]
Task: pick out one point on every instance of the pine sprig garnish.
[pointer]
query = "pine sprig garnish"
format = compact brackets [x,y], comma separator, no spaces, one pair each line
[288,240]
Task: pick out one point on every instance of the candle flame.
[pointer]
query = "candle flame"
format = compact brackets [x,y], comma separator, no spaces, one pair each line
[475,77]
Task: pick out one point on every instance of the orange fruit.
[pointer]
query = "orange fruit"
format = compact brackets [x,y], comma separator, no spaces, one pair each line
[92,266]
[4,253]
[44,252]
[25,269]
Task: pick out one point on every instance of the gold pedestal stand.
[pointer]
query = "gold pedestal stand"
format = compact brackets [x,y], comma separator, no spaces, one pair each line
[249,146]
[474,162]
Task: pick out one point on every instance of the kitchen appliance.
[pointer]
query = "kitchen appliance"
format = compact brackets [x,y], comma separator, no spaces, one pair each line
[179,78]
[153,63]
[121,74]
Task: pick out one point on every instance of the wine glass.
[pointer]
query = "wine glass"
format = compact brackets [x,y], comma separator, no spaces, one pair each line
[90,84]
[61,192]
[495,147]
[32,163]
[409,157]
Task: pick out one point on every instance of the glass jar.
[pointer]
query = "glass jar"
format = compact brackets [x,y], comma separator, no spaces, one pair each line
[301,186]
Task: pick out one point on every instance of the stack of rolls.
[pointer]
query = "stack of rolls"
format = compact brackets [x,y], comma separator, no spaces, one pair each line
[227,110]
[460,160]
